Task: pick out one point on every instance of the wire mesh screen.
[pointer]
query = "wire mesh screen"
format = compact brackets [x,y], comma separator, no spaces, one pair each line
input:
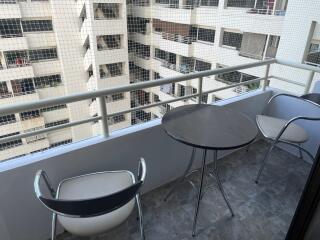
[56,48]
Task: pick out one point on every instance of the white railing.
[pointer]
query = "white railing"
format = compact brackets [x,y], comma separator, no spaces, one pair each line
[100,94]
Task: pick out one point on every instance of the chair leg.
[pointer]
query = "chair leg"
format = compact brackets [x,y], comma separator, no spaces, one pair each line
[266,157]
[300,151]
[140,217]
[53,226]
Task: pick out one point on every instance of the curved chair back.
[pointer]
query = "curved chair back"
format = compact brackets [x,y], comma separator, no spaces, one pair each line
[313,97]
[89,207]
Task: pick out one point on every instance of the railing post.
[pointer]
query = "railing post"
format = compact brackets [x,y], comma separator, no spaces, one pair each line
[309,82]
[266,78]
[104,119]
[200,89]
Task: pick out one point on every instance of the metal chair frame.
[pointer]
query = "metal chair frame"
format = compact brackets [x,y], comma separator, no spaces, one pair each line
[277,140]
[132,191]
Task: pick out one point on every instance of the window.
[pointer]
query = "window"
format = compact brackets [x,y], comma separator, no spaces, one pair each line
[10,28]
[206,35]
[156,98]
[22,86]
[110,70]
[47,81]
[11,118]
[56,144]
[209,3]
[42,54]
[253,45]
[4,92]
[241,3]
[232,39]
[56,123]
[16,59]
[160,54]
[202,66]
[115,97]
[116,119]
[53,108]
[37,25]
[313,57]
[108,42]
[10,144]
[29,115]
[181,90]
[106,10]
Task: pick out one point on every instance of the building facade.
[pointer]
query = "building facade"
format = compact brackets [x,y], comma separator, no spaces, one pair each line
[50,48]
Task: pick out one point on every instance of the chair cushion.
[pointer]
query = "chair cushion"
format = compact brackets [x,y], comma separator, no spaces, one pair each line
[92,186]
[270,127]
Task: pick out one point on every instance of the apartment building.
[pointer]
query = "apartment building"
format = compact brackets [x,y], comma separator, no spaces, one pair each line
[53,48]
[181,37]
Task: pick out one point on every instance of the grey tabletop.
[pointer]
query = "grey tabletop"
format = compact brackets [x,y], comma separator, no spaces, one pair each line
[209,127]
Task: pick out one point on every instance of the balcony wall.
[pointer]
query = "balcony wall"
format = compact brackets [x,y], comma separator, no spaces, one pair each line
[165,161]
[11,44]
[35,9]
[20,99]
[177,15]
[51,92]
[10,11]
[111,56]
[16,73]
[40,39]
[46,67]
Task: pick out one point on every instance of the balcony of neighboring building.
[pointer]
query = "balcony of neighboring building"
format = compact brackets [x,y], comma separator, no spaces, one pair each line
[259,7]
[15,65]
[35,8]
[111,48]
[246,47]
[109,18]
[313,56]
[172,11]
[138,74]
[108,71]
[141,8]
[9,124]
[10,6]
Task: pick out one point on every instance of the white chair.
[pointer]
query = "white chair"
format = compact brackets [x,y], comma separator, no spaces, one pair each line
[278,130]
[90,204]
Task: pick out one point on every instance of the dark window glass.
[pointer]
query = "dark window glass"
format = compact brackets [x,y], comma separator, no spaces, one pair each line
[37,25]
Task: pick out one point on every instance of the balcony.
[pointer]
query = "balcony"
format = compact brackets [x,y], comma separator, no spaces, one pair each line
[270,203]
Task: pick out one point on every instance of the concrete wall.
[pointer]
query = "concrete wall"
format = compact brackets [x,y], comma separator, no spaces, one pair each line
[23,217]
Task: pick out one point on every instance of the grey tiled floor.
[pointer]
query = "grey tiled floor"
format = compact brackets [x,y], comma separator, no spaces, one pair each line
[262,212]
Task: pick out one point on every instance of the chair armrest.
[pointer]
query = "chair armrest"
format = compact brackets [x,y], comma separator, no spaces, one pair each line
[293,120]
[42,174]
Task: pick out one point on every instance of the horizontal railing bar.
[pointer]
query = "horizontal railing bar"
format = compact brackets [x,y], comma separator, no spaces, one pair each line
[176,99]
[184,97]
[45,130]
[297,65]
[14,108]
[288,81]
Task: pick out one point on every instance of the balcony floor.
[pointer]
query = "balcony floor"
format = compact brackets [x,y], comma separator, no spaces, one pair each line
[262,211]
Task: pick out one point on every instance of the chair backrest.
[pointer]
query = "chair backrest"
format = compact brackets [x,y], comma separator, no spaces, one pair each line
[90,207]
[313,97]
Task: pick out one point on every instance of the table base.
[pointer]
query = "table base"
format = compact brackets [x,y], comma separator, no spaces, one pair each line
[214,174]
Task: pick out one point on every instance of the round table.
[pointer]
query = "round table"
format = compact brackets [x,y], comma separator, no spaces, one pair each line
[208,127]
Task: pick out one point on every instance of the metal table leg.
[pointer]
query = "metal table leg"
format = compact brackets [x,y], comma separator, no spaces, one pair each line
[181,179]
[199,193]
[216,172]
